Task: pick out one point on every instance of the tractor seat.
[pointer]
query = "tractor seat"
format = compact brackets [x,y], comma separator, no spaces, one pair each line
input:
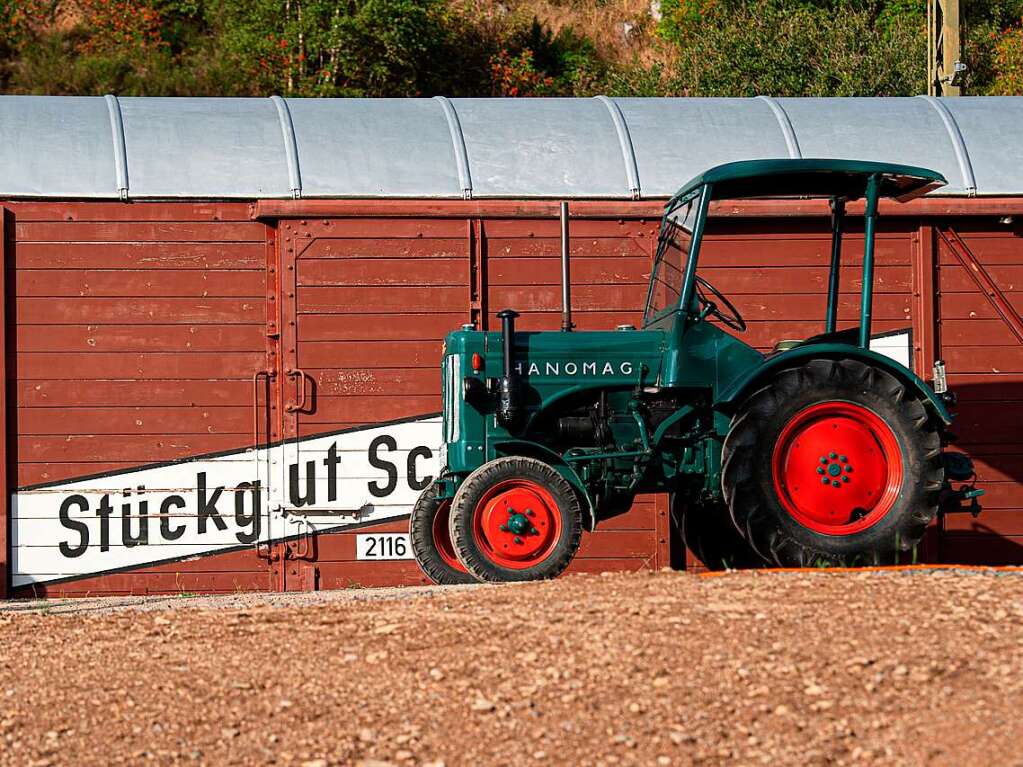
[846,336]
[788,343]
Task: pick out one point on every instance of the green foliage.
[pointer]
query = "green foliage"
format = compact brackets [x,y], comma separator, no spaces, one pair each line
[486,47]
[732,48]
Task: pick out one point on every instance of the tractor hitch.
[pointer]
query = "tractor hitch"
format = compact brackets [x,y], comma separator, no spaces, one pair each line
[959,468]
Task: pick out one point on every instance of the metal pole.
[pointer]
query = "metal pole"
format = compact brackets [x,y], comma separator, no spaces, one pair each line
[566,278]
[837,213]
[869,228]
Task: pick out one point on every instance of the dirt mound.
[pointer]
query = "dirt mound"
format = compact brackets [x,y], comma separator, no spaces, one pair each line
[801,669]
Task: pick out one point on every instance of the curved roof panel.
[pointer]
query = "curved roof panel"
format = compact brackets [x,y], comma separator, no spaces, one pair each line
[155,148]
[541,148]
[374,148]
[677,139]
[56,147]
[992,130]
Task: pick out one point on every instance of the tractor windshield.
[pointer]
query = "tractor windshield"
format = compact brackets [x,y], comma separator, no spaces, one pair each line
[672,254]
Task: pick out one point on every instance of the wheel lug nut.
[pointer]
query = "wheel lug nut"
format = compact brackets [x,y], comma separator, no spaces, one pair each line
[824,480]
[820,469]
[529,513]
[836,483]
[517,539]
[534,531]
[832,455]
[504,528]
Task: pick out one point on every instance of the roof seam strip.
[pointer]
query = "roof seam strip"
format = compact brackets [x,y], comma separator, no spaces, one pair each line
[958,143]
[458,145]
[785,124]
[625,143]
[120,149]
[290,145]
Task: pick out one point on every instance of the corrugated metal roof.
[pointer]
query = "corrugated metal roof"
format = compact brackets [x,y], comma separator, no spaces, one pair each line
[146,148]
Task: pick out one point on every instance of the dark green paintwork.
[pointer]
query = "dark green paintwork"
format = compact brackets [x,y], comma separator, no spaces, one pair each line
[813,178]
[680,360]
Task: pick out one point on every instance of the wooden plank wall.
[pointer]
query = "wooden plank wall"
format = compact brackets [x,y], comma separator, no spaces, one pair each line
[137,329]
[985,364]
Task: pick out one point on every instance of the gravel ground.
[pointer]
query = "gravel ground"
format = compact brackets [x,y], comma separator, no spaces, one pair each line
[919,667]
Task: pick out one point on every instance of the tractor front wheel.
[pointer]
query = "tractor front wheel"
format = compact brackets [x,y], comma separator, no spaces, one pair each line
[832,462]
[431,542]
[515,519]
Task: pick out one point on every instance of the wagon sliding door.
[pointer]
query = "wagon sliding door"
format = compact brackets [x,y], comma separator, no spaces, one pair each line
[365,304]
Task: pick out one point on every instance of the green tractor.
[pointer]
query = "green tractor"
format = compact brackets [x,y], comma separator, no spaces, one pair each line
[822,452]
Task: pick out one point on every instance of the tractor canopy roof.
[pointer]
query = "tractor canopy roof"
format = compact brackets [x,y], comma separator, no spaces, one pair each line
[812,178]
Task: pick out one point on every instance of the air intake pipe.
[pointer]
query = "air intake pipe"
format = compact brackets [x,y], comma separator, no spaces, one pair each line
[508,385]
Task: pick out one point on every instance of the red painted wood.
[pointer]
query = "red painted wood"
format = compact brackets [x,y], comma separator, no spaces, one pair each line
[151,256]
[141,449]
[933,206]
[167,393]
[114,311]
[357,381]
[74,365]
[128,419]
[65,210]
[139,338]
[372,327]
[141,231]
[336,300]
[139,283]
[378,272]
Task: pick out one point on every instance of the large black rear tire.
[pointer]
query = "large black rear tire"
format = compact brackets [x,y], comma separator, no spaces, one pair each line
[708,531]
[832,462]
[515,519]
[431,542]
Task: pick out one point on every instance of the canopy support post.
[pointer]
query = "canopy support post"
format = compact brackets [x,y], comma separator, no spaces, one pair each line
[837,214]
[869,230]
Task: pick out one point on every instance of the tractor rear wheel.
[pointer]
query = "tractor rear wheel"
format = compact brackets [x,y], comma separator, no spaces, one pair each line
[431,542]
[515,519]
[832,462]
[708,532]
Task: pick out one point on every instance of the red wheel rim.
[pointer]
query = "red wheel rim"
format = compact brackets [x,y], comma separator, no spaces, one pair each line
[837,468]
[442,538]
[516,524]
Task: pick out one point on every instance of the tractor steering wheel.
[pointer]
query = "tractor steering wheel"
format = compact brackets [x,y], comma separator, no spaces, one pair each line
[730,317]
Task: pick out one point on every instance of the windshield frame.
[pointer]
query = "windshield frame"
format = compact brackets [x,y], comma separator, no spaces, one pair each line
[698,198]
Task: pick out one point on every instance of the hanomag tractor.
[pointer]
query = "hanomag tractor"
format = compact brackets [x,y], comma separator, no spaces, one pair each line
[822,451]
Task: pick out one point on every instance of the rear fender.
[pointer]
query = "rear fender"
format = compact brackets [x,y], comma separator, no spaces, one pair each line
[739,388]
[539,452]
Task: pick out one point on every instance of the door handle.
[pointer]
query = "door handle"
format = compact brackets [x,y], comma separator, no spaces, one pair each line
[255,405]
[295,407]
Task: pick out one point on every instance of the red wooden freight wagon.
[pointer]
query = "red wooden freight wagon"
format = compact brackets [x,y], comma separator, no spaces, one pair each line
[224,317]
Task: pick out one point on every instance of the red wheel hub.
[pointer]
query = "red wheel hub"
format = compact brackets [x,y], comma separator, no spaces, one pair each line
[837,468]
[516,524]
[442,538]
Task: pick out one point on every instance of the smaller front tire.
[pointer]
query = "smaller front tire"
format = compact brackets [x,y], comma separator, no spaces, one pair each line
[515,519]
[431,542]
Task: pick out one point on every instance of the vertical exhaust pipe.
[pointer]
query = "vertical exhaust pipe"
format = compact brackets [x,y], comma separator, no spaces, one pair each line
[508,385]
[566,278]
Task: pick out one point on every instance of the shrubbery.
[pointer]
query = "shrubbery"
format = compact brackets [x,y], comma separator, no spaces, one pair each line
[483,47]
